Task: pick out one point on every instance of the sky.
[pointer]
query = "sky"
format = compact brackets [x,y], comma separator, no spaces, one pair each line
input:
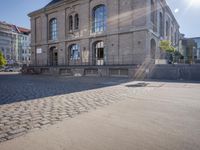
[186,12]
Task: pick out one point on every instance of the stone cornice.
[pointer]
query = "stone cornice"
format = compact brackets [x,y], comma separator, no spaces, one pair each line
[50,7]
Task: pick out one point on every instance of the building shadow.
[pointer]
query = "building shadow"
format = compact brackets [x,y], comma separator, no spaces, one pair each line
[17,88]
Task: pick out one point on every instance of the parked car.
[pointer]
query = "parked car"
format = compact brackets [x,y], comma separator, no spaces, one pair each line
[12,69]
[2,69]
[8,69]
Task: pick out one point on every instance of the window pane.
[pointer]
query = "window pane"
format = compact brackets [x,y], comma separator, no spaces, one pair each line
[70,23]
[76,26]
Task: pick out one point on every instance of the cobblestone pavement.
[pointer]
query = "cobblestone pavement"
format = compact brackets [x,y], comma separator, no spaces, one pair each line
[29,102]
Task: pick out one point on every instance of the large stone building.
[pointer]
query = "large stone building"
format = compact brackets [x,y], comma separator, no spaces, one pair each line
[101,32]
[15,43]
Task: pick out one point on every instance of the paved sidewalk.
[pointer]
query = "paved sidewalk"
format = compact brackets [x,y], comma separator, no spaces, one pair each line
[158,116]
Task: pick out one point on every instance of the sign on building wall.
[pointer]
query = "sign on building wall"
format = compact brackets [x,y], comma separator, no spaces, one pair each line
[39,50]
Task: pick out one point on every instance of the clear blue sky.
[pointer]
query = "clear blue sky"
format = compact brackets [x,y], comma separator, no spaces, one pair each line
[187,14]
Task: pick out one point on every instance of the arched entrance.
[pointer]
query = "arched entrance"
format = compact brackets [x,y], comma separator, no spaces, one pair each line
[53,56]
[153,49]
[99,53]
[74,54]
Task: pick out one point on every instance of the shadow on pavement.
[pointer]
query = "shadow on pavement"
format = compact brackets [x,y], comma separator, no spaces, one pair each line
[17,88]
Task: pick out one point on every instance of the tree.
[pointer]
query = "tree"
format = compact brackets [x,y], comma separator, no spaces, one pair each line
[172,54]
[167,47]
[3,61]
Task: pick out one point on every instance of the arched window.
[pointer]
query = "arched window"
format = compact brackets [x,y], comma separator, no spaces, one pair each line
[161,25]
[53,29]
[76,22]
[99,18]
[70,23]
[74,52]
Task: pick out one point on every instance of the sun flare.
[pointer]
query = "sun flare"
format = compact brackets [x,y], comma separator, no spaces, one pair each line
[195,3]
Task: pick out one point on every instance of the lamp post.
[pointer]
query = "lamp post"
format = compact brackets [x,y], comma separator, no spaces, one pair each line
[193,56]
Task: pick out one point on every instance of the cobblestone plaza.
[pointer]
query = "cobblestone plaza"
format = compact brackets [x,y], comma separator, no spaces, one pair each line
[161,110]
[30,102]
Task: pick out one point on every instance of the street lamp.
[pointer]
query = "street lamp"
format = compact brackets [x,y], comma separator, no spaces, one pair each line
[193,56]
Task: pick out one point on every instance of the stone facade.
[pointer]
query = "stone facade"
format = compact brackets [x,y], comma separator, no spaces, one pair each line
[129,34]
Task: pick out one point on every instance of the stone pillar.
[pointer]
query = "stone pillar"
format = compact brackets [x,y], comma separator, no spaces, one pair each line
[33,39]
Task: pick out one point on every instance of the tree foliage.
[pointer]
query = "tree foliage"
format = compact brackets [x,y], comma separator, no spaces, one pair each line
[172,53]
[167,47]
[3,61]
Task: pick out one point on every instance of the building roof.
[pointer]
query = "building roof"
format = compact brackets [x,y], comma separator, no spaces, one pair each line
[45,7]
[53,2]
[57,1]
[24,30]
[15,28]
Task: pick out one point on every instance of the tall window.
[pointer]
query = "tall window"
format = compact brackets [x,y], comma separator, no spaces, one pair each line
[99,18]
[76,22]
[167,28]
[172,35]
[74,52]
[154,15]
[152,12]
[70,23]
[53,29]
[161,25]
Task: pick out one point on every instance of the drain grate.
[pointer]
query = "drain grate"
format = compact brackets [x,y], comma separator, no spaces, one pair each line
[137,85]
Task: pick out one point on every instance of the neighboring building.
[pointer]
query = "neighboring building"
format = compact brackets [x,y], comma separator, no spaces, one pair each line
[12,43]
[188,50]
[8,42]
[24,37]
[101,32]
[197,49]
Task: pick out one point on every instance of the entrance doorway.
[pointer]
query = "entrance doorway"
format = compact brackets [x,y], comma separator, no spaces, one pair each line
[153,49]
[99,53]
[53,56]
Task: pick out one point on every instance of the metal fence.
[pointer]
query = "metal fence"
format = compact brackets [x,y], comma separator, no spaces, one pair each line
[129,59]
